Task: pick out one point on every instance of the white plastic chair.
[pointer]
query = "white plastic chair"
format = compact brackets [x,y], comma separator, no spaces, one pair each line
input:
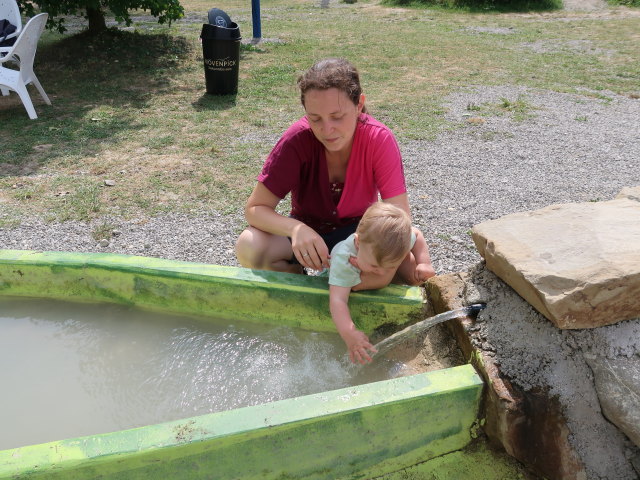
[9,11]
[25,50]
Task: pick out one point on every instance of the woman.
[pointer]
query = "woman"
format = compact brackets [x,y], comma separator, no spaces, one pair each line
[334,161]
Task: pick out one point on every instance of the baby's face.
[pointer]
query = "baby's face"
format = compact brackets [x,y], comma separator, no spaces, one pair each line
[367,263]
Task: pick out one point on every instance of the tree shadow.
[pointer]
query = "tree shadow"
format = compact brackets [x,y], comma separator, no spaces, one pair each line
[116,70]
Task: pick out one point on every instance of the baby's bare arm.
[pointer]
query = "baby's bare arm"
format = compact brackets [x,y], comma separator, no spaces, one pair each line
[356,341]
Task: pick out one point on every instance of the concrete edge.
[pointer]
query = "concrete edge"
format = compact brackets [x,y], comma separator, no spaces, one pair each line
[198,289]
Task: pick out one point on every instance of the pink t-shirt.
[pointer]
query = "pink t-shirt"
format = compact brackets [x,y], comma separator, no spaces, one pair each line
[297,164]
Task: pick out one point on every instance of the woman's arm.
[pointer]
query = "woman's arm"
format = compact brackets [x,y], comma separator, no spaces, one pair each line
[308,247]
[260,212]
[400,201]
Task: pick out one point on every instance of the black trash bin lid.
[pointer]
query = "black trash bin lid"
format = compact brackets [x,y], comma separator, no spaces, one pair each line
[219,18]
[213,32]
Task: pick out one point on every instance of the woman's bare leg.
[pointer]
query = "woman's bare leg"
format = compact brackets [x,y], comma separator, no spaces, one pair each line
[264,251]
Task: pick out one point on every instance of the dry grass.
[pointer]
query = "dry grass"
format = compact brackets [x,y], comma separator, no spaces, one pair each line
[131,106]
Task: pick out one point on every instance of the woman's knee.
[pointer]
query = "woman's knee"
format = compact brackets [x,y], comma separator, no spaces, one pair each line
[258,249]
[247,249]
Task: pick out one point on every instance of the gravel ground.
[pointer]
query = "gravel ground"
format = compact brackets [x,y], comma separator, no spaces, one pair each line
[570,148]
[567,148]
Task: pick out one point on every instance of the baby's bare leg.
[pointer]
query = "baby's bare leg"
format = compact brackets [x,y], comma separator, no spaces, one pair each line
[406,274]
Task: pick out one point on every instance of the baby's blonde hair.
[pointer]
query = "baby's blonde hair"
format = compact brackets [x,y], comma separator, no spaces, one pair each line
[387,229]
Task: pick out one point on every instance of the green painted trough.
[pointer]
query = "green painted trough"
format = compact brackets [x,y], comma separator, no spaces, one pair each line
[358,432]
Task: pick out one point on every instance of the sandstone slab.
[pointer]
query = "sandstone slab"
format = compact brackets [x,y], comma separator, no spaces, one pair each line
[632,193]
[577,264]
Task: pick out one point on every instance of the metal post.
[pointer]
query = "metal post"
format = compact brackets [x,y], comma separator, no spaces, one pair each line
[255,16]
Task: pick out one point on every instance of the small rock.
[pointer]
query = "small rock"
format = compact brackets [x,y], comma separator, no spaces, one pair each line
[617,382]
[116,233]
[475,120]
[104,243]
[109,183]
[42,148]
[487,347]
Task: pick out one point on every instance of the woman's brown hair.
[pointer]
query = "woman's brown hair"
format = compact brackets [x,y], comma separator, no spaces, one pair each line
[332,73]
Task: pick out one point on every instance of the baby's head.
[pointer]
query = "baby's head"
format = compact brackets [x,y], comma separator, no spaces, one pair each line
[385,230]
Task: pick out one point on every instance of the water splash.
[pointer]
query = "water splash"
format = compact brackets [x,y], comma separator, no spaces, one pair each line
[73,369]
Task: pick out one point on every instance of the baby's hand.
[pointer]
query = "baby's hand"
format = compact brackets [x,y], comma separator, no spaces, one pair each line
[358,344]
[424,271]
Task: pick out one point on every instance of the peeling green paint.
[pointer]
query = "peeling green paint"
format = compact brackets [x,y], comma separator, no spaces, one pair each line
[198,289]
[353,433]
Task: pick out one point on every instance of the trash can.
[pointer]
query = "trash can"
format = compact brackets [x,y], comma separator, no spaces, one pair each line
[221,52]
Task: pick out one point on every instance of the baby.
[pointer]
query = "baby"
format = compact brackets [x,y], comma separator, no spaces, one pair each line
[384,249]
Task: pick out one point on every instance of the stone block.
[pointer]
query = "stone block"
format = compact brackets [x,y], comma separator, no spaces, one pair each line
[529,425]
[632,193]
[618,386]
[577,264]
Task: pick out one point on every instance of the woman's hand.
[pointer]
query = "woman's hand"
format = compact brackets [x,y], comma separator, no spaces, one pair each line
[309,247]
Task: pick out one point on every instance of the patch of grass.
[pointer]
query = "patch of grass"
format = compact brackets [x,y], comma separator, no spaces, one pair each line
[82,204]
[102,231]
[519,108]
[627,3]
[25,194]
[161,142]
[10,222]
[487,5]
[604,98]
[131,105]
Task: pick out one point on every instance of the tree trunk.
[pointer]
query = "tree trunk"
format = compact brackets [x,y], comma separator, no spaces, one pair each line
[97,22]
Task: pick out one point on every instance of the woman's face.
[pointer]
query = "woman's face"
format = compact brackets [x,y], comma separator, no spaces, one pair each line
[333,117]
